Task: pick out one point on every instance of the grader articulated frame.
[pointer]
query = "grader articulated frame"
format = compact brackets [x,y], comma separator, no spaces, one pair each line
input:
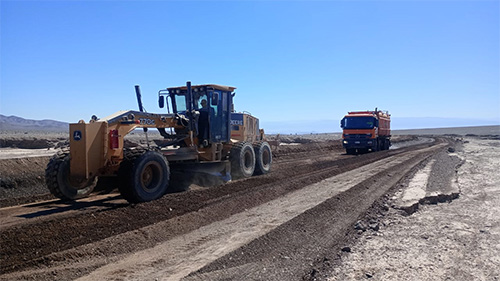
[204,135]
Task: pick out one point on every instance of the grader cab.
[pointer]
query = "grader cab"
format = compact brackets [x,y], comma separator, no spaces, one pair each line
[200,131]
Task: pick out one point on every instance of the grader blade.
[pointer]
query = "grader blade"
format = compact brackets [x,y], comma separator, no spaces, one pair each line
[202,174]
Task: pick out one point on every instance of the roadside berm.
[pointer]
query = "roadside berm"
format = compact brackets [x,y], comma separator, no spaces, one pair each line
[434,182]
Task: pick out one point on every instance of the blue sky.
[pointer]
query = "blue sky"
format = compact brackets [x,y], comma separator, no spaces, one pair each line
[290,60]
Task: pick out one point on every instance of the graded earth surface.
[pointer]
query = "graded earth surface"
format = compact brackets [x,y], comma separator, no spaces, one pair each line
[427,209]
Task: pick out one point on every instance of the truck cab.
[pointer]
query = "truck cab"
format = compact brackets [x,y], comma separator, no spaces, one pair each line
[365,131]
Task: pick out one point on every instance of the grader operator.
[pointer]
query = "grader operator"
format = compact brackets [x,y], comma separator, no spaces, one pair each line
[204,135]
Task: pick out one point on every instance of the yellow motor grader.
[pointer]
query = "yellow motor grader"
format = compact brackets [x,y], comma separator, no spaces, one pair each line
[204,133]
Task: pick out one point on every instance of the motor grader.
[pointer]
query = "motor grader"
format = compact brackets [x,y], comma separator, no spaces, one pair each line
[200,131]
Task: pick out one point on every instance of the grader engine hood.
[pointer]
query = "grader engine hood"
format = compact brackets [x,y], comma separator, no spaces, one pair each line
[245,127]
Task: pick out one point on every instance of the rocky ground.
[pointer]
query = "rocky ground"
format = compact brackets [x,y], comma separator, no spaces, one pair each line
[452,240]
[425,210]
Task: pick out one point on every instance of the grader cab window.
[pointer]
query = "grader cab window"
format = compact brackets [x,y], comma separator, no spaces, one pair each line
[202,101]
[180,102]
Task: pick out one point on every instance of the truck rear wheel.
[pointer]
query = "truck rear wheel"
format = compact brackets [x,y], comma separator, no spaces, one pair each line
[143,177]
[57,178]
[263,158]
[387,144]
[242,158]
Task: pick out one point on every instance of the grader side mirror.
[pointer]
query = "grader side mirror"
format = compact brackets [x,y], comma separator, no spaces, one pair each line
[161,101]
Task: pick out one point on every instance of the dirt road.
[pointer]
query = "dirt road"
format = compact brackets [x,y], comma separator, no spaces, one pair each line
[459,240]
[281,226]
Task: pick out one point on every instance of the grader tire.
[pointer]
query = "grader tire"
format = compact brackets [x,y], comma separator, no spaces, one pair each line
[143,175]
[242,158]
[263,158]
[58,180]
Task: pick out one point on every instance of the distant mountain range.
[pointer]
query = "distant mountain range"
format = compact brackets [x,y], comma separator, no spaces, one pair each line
[14,123]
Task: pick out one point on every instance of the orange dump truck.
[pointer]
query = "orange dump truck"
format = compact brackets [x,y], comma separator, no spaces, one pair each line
[366,130]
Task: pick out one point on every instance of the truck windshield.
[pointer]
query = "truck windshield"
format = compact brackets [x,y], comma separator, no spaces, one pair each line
[359,122]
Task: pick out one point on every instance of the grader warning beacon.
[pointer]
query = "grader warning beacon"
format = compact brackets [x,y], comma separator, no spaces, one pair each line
[204,135]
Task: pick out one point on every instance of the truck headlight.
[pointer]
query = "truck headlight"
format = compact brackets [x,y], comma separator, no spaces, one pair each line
[345,142]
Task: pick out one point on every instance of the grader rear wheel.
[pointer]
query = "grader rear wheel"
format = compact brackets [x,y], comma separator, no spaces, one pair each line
[263,158]
[242,158]
[57,178]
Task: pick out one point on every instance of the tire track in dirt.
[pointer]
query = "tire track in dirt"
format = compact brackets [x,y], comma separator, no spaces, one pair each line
[36,212]
[287,252]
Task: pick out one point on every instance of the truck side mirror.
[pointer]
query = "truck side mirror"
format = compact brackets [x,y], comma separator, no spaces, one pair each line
[161,101]
[215,99]
[342,123]
[376,123]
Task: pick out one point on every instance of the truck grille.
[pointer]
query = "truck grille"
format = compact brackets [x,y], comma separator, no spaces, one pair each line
[357,136]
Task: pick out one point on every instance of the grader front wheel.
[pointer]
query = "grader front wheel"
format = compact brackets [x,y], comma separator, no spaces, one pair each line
[57,178]
[144,177]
